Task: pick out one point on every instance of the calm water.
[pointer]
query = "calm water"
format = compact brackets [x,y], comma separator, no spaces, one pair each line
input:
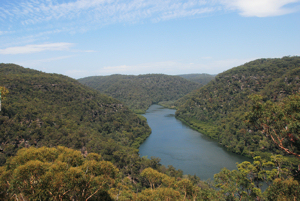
[186,149]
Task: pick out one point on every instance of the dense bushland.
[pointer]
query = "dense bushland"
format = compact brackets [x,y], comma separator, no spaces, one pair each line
[218,109]
[43,111]
[50,109]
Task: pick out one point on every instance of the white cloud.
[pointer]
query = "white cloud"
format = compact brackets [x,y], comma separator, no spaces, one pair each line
[166,67]
[39,62]
[261,8]
[220,66]
[53,59]
[87,51]
[206,58]
[76,73]
[36,48]
[155,67]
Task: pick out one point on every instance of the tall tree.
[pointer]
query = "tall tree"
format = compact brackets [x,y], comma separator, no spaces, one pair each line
[279,121]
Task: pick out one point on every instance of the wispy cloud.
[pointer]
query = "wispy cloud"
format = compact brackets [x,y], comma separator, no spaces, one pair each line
[82,15]
[158,67]
[102,11]
[5,32]
[36,48]
[261,8]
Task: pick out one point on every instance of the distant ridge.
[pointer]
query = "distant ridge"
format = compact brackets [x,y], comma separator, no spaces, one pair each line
[139,92]
[199,78]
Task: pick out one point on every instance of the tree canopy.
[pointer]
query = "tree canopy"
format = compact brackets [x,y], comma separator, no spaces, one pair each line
[279,121]
[56,174]
[61,173]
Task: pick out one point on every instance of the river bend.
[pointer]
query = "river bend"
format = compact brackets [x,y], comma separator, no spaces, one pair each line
[184,148]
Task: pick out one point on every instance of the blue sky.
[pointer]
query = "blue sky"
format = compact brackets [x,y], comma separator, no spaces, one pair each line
[82,38]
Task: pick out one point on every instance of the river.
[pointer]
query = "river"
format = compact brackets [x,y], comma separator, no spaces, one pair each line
[186,149]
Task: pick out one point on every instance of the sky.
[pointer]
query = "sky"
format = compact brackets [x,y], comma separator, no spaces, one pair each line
[81,38]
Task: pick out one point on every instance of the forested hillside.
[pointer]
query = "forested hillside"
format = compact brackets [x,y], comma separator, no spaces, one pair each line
[42,111]
[50,109]
[139,92]
[218,109]
[199,78]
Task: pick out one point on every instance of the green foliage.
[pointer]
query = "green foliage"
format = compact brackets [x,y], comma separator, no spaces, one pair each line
[65,174]
[49,110]
[153,177]
[56,174]
[139,92]
[246,183]
[4,91]
[283,189]
[160,194]
[222,103]
[279,121]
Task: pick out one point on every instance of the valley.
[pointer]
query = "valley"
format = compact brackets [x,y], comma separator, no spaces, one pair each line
[139,92]
[84,127]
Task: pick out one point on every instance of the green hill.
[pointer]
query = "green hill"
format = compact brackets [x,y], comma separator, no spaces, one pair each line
[199,78]
[49,109]
[139,92]
[218,108]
